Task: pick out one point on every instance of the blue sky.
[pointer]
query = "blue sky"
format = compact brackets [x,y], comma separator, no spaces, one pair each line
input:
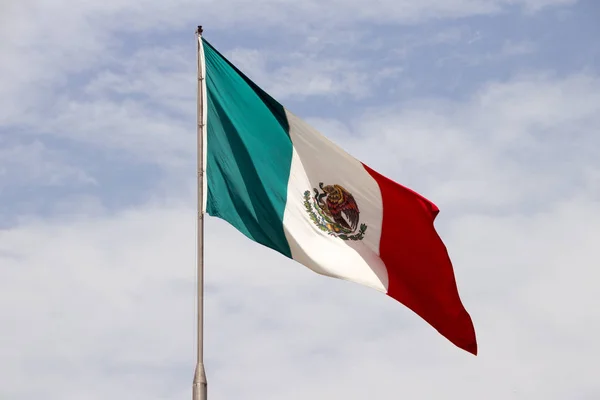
[490,108]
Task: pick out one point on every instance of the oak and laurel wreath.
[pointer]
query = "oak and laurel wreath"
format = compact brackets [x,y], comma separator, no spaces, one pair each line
[321,221]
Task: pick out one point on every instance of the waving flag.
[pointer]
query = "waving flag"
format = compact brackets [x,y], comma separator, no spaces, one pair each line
[286,186]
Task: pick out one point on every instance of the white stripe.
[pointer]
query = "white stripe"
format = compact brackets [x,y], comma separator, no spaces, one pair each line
[316,159]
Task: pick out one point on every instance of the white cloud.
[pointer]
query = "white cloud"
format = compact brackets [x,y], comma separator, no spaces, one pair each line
[101,306]
[489,149]
[163,76]
[517,49]
[145,134]
[48,44]
[508,50]
[301,74]
[32,164]
[96,304]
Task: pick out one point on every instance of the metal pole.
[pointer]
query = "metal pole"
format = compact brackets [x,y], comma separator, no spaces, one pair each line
[199,386]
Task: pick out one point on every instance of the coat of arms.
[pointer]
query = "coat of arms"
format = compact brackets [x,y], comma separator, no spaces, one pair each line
[334,210]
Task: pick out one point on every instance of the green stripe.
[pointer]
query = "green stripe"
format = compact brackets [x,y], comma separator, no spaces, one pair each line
[249,154]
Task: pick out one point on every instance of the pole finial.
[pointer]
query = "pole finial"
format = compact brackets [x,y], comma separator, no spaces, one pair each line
[199,30]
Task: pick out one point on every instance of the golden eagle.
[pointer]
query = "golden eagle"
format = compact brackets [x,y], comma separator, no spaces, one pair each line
[339,205]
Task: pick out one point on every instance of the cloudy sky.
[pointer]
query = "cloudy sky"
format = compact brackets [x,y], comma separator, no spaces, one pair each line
[490,108]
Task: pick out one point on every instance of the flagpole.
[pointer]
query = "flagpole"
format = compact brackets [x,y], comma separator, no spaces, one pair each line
[199,391]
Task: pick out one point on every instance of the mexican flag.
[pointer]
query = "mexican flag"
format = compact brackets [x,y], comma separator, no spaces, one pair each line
[286,186]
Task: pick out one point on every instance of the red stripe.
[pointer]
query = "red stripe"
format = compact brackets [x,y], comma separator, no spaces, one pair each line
[419,268]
